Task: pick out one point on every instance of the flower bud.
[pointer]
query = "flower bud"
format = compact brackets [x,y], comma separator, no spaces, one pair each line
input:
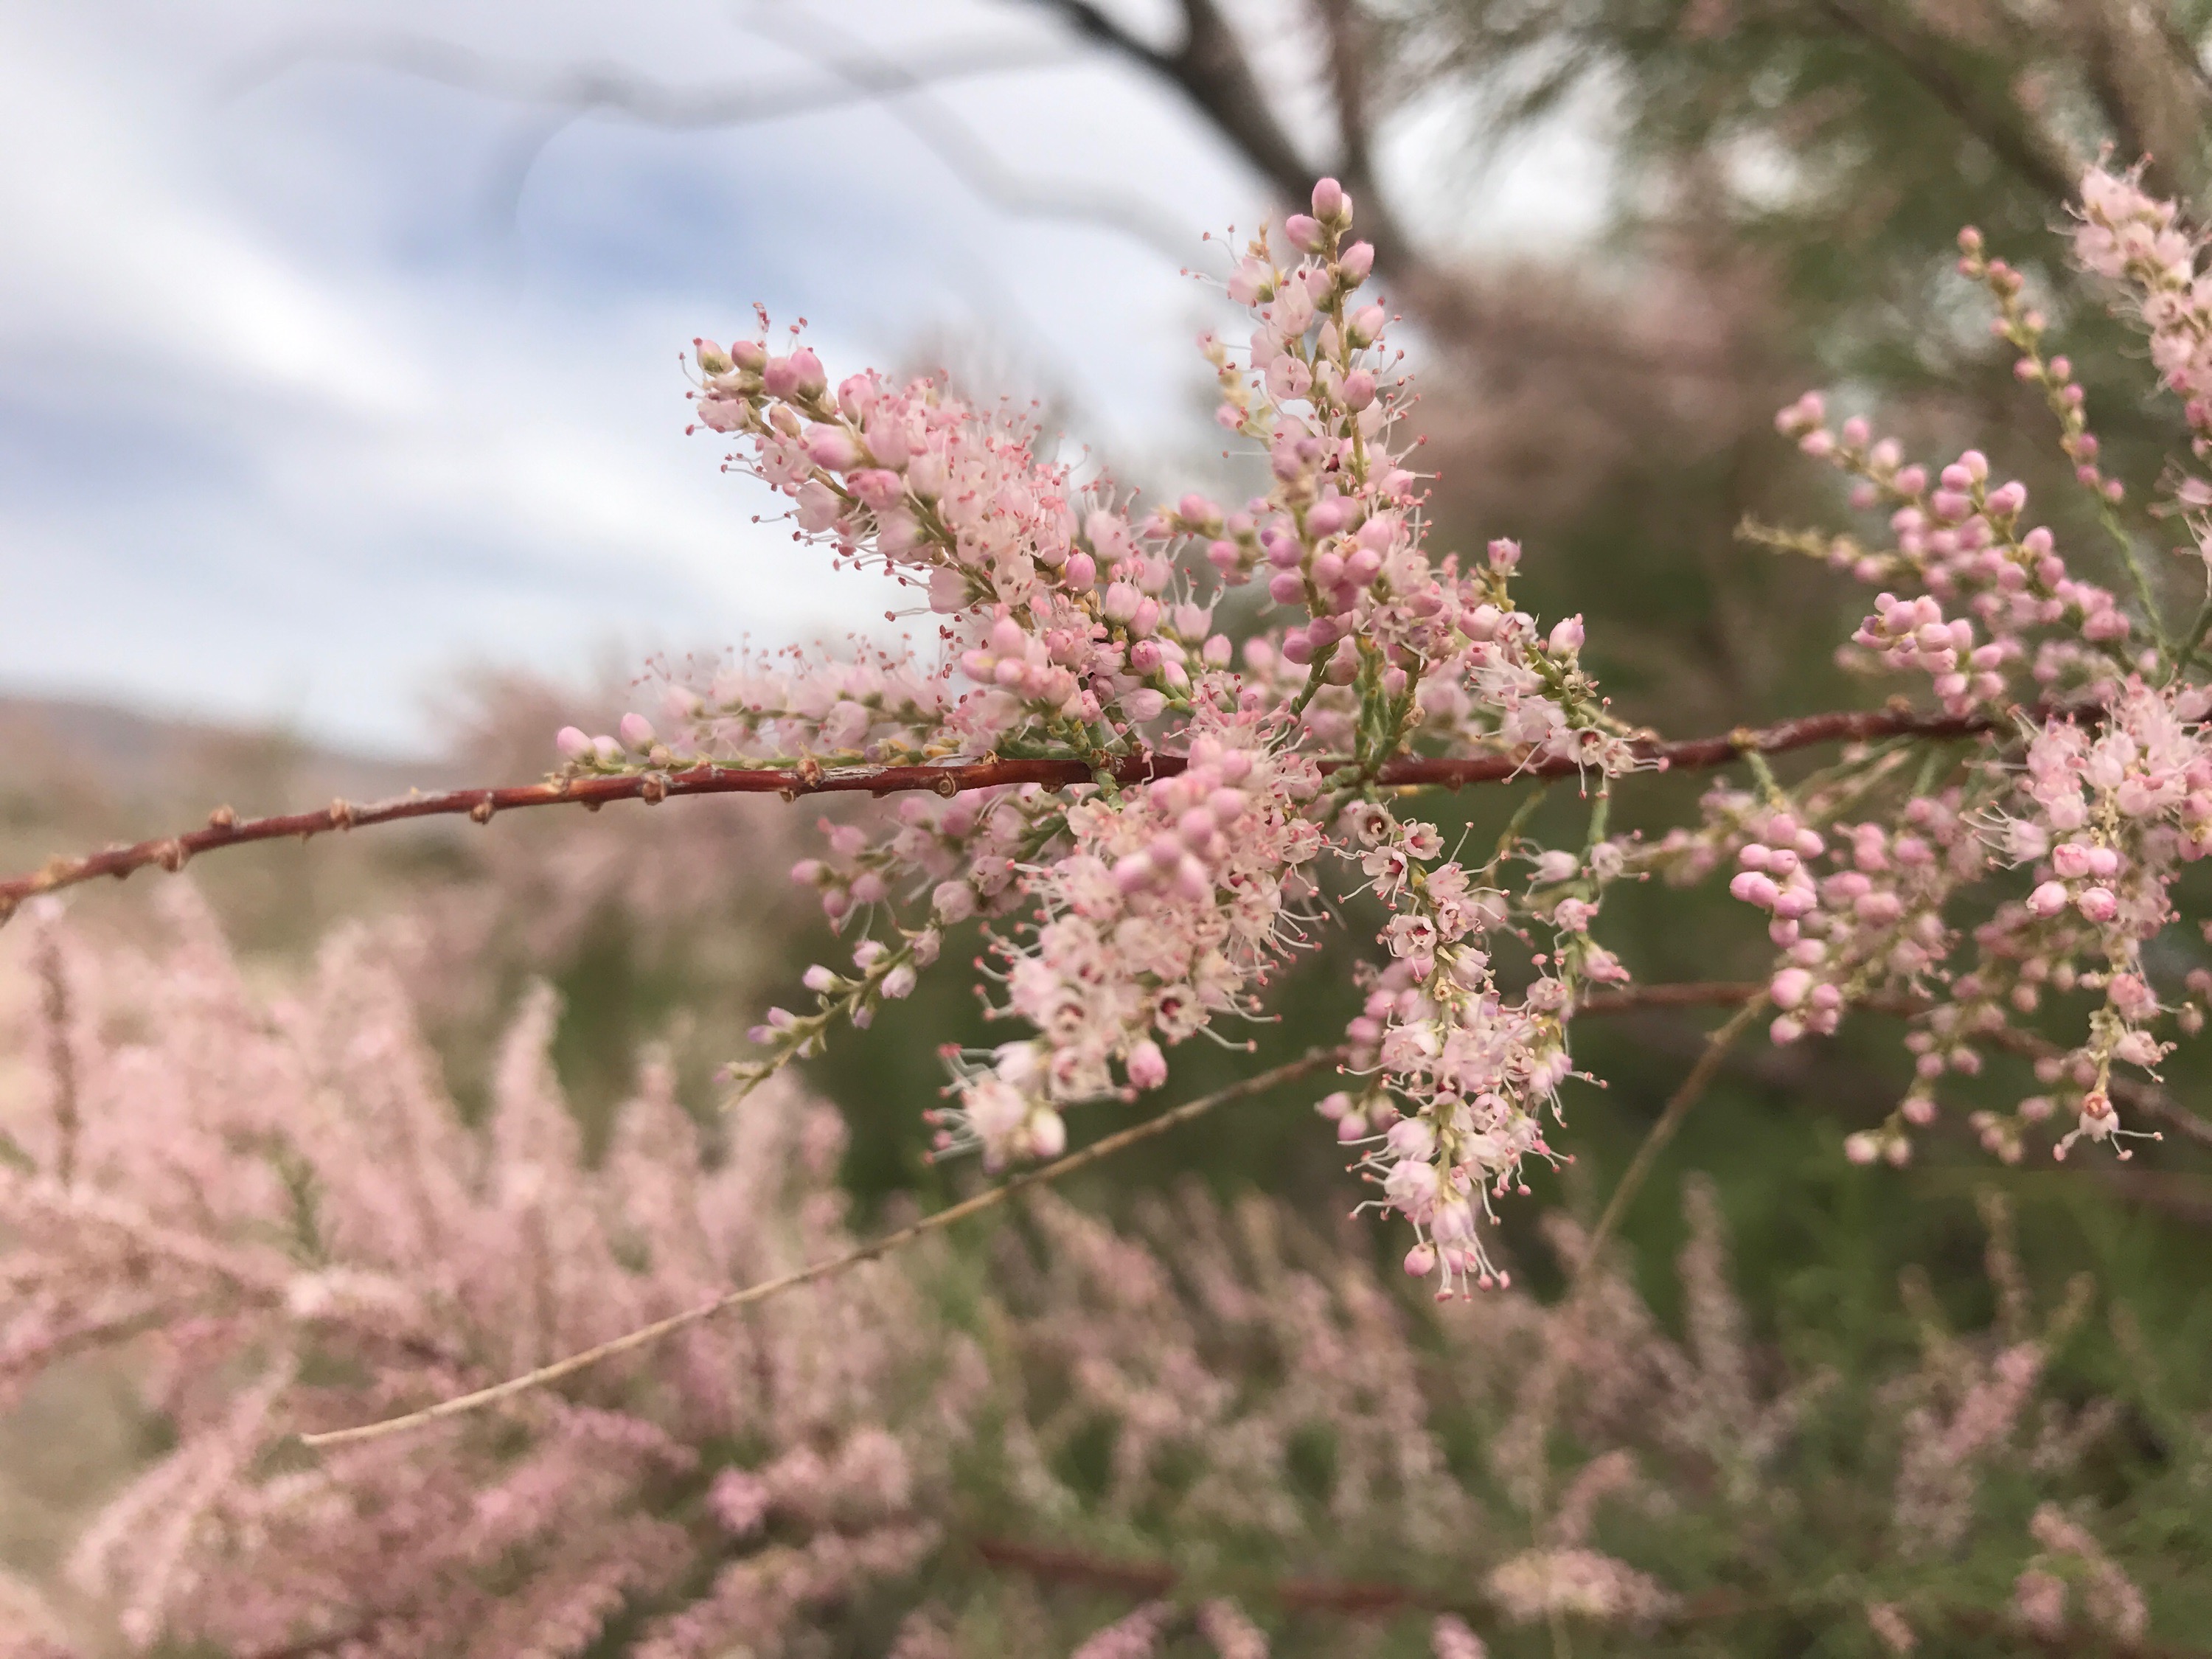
[1147,1065]
[1305,233]
[573,742]
[636,732]
[1356,262]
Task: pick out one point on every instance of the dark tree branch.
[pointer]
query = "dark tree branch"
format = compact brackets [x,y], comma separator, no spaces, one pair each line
[2015,139]
[1350,64]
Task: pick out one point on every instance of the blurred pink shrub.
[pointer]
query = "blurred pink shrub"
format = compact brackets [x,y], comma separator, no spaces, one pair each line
[270,1208]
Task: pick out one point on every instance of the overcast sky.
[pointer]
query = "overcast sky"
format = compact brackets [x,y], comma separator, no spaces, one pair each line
[322,377]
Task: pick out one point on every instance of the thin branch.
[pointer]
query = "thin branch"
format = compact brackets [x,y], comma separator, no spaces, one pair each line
[610,86]
[1692,1089]
[2148,1098]
[1348,28]
[225,829]
[61,1054]
[857,75]
[647,1335]
[2015,137]
[905,96]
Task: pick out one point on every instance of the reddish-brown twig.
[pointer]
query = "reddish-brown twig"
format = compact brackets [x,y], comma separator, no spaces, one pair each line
[226,829]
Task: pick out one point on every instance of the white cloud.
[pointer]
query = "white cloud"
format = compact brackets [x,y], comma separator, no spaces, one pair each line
[291,422]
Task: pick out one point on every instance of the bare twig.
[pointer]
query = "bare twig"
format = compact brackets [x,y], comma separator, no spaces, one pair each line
[647,1335]
[61,1054]
[621,91]
[2148,1098]
[2022,143]
[225,829]
[856,76]
[1687,1095]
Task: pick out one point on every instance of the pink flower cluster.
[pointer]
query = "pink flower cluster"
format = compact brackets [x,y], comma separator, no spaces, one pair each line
[1460,1074]
[1168,909]
[277,1217]
[1075,628]
[1079,631]
[2100,806]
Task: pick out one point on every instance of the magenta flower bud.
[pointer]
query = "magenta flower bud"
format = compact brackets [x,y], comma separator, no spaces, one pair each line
[607,751]
[1327,516]
[1795,901]
[1504,554]
[1296,647]
[1357,390]
[1329,201]
[1566,636]
[2097,905]
[636,732]
[1286,587]
[1789,987]
[1421,1263]
[1366,324]
[808,380]
[818,979]
[1356,262]
[1752,888]
[1147,1065]
[1305,233]
[1121,601]
[573,742]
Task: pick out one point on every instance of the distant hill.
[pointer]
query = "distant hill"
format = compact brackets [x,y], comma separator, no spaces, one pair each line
[61,758]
